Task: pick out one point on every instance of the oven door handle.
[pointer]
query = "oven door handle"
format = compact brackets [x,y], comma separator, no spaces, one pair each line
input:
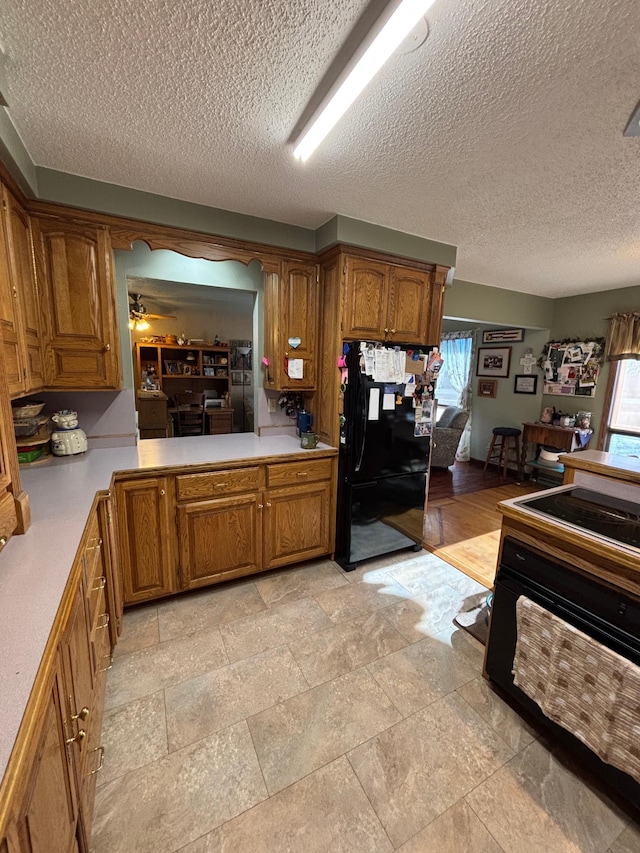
[585,621]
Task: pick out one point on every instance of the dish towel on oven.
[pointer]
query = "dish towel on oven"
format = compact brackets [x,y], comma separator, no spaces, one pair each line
[587,688]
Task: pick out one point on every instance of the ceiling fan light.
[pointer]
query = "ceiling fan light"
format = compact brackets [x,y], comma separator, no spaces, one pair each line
[393,33]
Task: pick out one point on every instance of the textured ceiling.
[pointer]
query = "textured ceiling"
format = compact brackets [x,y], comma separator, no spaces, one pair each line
[501,135]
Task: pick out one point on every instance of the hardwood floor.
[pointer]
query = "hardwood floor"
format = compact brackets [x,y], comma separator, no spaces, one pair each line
[462,525]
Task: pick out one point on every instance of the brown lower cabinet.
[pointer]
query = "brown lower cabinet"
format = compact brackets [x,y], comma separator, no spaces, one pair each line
[226,523]
[58,753]
[145,540]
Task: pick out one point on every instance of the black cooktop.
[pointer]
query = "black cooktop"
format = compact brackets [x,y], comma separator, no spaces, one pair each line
[594,512]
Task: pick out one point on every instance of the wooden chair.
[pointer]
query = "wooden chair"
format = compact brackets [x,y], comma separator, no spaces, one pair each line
[190,417]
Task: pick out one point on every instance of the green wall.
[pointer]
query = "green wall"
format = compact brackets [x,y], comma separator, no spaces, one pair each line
[86,193]
[16,157]
[507,408]
[494,305]
[588,316]
[569,317]
[366,235]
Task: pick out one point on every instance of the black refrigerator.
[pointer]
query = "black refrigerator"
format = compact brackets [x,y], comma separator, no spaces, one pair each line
[383,465]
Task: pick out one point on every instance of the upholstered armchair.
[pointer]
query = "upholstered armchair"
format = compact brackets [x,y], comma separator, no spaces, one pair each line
[446,436]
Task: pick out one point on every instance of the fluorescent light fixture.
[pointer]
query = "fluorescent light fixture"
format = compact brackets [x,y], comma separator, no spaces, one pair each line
[394,32]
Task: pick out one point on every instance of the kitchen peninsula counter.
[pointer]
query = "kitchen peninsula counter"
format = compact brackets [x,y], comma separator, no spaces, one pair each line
[35,567]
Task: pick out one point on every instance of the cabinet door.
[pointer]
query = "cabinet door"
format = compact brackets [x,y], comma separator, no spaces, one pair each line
[48,814]
[366,297]
[409,306]
[299,308]
[24,279]
[291,310]
[79,680]
[81,342]
[93,749]
[113,588]
[219,539]
[296,524]
[436,307]
[145,534]
[13,362]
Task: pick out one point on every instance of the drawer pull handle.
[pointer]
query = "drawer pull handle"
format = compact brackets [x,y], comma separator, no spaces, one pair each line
[221,485]
[260,506]
[302,474]
[99,749]
[106,348]
[77,738]
[84,713]
[105,668]
[162,492]
[3,541]
[393,331]
[105,618]
[101,584]
[268,504]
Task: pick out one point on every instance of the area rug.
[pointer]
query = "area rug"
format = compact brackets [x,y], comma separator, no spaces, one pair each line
[475,620]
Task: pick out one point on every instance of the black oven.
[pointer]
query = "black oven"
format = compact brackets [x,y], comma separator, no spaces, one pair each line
[609,616]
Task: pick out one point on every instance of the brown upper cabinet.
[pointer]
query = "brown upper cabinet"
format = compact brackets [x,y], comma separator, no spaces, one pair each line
[291,325]
[75,270]
[19,301]
[390,302]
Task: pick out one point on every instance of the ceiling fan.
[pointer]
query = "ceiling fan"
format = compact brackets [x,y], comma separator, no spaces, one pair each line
[138,315]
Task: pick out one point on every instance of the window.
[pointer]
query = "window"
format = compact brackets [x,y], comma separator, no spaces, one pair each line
[453,380]
[623,426]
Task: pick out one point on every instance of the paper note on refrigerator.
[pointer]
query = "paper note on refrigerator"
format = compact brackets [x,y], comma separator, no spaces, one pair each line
[389,402]
[374,405]
[384,367]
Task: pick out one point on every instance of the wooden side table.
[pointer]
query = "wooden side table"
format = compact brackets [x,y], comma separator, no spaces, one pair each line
[152,414]
[220,421]
[564,438]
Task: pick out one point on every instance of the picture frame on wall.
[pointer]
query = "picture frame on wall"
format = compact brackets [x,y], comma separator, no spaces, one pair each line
[496,336]
[526,383]
[494,361]
[487,387]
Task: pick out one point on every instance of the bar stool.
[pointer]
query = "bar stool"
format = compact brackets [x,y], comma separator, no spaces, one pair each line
[504,441]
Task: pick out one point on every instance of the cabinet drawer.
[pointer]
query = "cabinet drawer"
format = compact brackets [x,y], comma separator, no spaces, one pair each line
[217,483]
[288,473]
[8,520]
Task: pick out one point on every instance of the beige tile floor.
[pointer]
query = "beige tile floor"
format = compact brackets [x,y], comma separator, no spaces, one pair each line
[311,710]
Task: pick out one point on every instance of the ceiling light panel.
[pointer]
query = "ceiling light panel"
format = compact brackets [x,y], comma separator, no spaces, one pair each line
[393,33]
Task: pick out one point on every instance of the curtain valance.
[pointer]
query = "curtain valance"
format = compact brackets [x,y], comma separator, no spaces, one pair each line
[623,338]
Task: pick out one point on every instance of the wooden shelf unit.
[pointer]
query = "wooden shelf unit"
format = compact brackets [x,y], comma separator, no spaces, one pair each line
[211,367]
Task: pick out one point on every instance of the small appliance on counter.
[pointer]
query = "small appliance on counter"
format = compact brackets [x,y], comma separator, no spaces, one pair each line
[67,439]
[305,422]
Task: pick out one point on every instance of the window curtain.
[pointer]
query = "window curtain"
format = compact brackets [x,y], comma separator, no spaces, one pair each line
[457,350]
[623,338]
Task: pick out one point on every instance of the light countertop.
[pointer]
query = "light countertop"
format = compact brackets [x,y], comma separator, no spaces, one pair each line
[34,567]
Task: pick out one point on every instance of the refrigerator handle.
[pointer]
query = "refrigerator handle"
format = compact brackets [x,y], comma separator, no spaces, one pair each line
[362,401]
